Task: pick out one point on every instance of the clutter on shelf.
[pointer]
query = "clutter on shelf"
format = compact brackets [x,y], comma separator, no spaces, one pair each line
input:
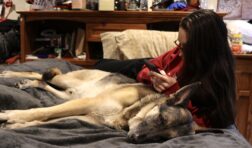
[115,5]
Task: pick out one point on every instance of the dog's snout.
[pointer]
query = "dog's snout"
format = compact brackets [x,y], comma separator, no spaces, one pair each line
[2,121]
[132,138]
[136,138]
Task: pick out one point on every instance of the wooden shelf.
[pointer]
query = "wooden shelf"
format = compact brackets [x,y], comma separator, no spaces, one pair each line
[94,23]
[143,17]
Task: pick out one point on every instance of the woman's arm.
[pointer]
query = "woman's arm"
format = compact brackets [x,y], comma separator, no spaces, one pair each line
[163,82]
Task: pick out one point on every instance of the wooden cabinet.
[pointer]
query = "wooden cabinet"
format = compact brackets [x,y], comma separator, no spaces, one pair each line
[244,95]
[93,22]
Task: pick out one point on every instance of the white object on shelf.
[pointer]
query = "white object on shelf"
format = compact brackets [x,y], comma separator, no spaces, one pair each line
[106,5]
[31,57]
[82,57]
[79,4]
[209,4]
[212,4]
[149,5]
[203,4]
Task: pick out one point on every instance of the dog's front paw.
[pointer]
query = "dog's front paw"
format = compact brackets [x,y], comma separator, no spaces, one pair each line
[23,84]
[26,83]
[9,117]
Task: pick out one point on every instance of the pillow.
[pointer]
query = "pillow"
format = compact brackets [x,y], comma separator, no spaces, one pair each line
[109,45]
[131,44]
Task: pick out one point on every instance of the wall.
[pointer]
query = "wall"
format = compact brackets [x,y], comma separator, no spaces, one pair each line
[236,9]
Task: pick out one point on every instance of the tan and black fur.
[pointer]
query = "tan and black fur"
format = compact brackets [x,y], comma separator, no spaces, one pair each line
[109,99]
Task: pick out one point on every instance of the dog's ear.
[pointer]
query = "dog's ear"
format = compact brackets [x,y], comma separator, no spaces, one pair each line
[181,97]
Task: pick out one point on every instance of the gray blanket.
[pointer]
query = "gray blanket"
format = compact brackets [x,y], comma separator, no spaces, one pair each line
[75,133]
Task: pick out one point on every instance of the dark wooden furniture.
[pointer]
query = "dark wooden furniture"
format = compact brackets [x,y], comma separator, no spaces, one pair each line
[244,95]
[95,22]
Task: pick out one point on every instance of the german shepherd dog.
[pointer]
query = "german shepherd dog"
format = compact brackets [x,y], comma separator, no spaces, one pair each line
[109,99]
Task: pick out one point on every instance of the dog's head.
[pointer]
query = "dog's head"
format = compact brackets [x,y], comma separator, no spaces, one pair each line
[165,121]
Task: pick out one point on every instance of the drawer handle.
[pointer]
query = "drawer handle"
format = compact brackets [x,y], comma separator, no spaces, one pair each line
[243,93]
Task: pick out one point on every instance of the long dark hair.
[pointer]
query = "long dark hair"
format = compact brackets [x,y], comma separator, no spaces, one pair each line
[208,58]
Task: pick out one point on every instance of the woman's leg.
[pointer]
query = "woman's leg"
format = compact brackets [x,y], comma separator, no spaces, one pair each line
[129,68]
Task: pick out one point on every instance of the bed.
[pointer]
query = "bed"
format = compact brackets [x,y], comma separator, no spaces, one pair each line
[76,133]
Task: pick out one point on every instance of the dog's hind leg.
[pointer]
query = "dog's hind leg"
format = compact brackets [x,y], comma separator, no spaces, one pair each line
[13,74]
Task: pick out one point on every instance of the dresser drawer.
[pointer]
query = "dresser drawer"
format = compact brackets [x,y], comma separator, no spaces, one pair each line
[244,95]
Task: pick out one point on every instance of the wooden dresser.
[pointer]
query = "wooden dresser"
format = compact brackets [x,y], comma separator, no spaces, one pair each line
[244,95]
[94,23]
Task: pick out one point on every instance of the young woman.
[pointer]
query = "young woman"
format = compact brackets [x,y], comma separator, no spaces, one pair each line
[202,54]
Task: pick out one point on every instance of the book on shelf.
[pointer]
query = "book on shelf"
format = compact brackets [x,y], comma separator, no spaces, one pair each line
[75,42]
[80,42]
[72,44]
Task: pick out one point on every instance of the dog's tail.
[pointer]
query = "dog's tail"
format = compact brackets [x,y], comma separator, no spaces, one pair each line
[48,75]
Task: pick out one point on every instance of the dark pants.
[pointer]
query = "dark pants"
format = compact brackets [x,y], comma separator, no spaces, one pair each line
[129,68]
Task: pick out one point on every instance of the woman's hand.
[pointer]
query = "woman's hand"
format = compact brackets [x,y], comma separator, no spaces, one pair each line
[161,82]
